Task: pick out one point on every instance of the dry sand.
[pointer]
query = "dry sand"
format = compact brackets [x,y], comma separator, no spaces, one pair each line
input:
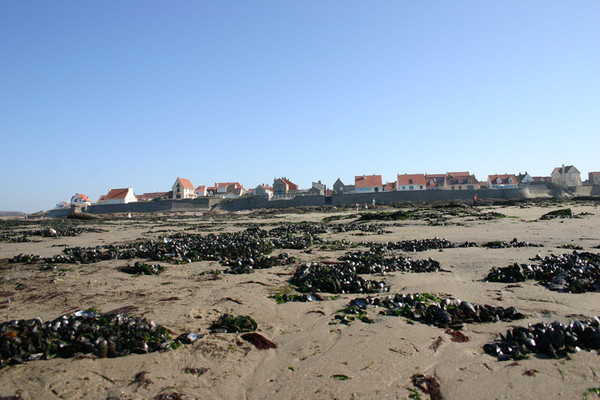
[379,359]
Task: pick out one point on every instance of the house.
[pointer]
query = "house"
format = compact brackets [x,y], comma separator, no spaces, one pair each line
[317,188]
[435,181]
[566,177]
[525,178]
[594,178]
[283,187]
[339,187]
[368,184]
[411,182]
[183,189]
[62,205]
[539,179]
[263,190]
[389,186]
[201,191]
[227,189]
[152,196]
[460,181]
[118,196]
[81,199]
[506,181]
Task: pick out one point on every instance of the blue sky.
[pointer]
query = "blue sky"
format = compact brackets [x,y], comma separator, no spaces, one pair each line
[98,95]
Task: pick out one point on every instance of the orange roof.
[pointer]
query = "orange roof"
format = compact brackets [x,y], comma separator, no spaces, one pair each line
[82,197]
[504,179]
[237,185]
[368,181]
[116,194]
[202,187]
[456,174]
[186,183]
[412,179]
[291,185]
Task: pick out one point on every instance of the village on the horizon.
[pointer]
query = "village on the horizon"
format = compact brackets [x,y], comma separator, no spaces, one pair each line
[567,177]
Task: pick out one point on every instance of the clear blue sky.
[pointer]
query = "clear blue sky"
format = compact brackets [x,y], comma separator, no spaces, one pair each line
[108,94]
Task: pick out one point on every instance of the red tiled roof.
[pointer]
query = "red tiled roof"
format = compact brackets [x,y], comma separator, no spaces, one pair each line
[368,181]
[237,185]
[457,174]
[291,185]
[116,194]
[82,197]
[412,179]
[185,183]
[202,187]
[504,179]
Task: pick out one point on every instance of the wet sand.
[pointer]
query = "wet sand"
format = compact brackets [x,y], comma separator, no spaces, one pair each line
[378,359]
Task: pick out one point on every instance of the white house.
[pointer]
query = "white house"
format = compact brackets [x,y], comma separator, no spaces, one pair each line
[368,184]
[411,182]
[62,205]
[594,178]
[525,178]
[201,191]
[568,176]
[80,199]
[265,191]
[183,189]
[118,196]
[506,181]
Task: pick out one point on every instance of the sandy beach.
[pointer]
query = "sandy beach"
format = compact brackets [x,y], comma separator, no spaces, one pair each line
[317,357]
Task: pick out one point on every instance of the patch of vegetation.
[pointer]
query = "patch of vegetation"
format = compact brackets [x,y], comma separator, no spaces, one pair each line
[140,268]
[231,324]
[561,213]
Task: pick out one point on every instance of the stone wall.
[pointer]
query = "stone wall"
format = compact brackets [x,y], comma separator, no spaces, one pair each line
[382,198]
[249,203]
[153,206]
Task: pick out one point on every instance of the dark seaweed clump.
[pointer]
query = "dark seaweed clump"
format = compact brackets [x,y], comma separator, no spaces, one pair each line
[367,262]
[497,244]
[554,339]
[246,265]
[571,272]
[82,332]
[231,324]
[334,278]
[429,309]
[416,245]
[562,213]
[140,268]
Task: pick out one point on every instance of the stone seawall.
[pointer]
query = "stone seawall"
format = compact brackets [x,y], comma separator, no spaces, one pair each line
[250,203]
[202,204]
[382,198]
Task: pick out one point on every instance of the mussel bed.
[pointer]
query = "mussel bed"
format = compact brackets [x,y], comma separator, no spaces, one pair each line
[550,339]
[333,278]
[575,272]
[371,262]
[82,332]
[430,309]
